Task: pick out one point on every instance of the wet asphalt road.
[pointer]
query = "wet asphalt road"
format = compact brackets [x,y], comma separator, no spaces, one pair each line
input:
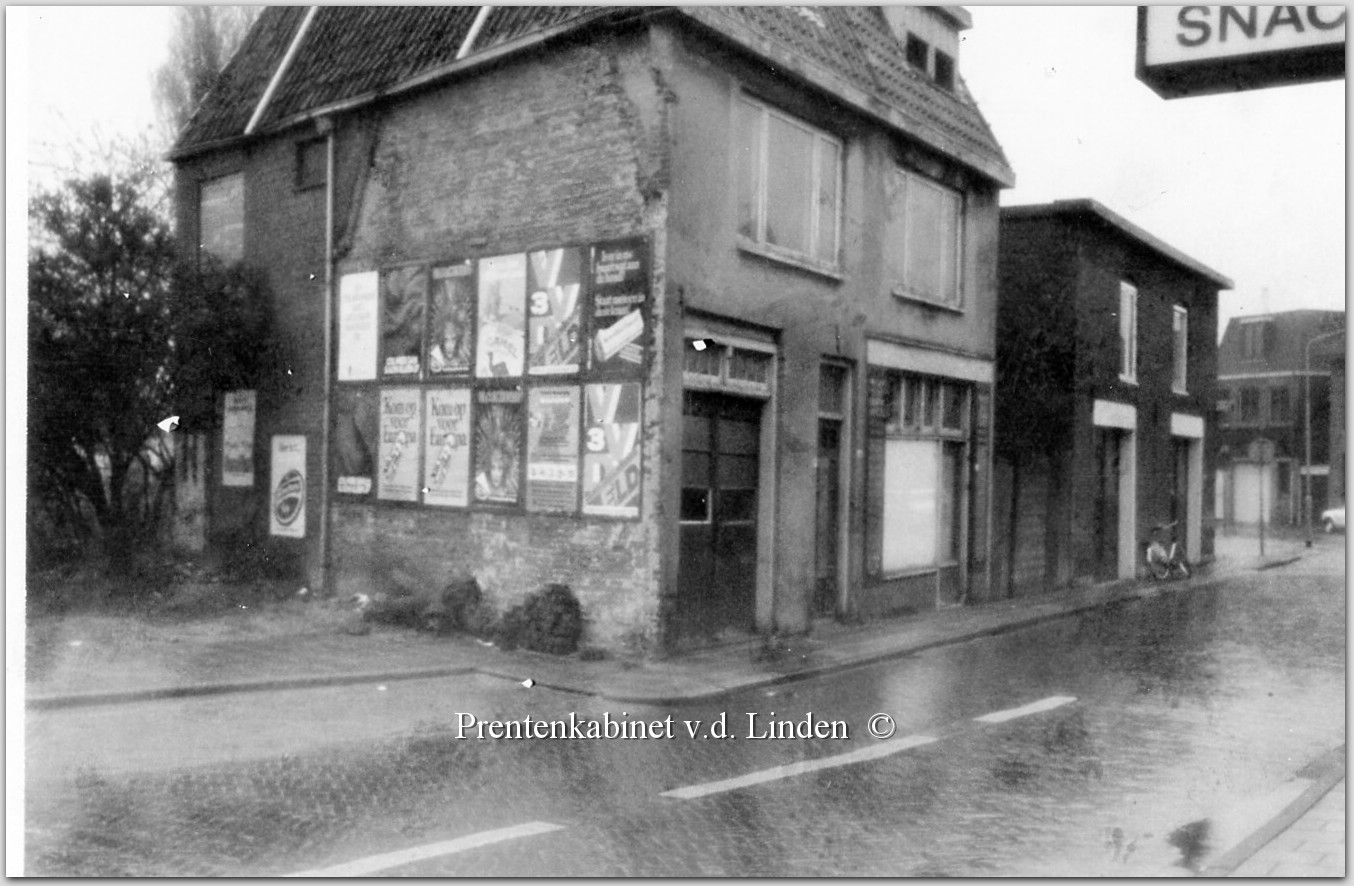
[1161,714]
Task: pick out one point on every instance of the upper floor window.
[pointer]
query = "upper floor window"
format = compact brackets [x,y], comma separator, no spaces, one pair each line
[917,50]
[944,70]
[1180,350]
[1248,406]
[927,223]
[789,194]
[1128,332]
[221,218]
[312,163]
[1278,406]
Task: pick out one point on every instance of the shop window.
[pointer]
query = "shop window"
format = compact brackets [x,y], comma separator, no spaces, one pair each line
[790,184]
[1180,350]
[312,163]
[926,221]
[221,218]
[1128,332]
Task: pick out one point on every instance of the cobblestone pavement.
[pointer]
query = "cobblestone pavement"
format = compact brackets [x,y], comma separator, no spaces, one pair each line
[1313,846]
[1177,710]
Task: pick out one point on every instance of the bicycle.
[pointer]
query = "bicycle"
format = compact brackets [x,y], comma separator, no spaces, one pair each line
[1165,560]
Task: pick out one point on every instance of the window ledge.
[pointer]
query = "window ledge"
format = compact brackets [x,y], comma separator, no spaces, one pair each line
[903,295]
[770,253]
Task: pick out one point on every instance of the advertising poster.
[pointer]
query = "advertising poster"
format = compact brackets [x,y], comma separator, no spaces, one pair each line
[237,439]
[502,316]
[498,446]
[446,463]
[398,449]
[287,502]
[356,423]
[359,326]
[619,312]
[611,452]
[552,449]
[449,326]
[404,297]
[554,286]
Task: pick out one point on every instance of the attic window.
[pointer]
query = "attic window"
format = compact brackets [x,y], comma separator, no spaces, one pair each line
[917,50]
[944,71]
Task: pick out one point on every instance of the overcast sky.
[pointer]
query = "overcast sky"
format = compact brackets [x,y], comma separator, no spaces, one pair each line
[1251,184]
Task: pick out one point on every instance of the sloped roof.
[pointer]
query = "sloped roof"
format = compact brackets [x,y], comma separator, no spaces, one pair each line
[351,54]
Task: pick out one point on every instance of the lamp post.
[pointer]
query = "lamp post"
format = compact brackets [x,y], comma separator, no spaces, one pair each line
[1307,409]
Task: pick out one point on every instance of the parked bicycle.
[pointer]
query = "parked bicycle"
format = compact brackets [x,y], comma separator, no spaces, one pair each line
[1165,557]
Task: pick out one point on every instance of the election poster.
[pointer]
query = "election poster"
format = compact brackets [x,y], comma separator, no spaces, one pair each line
[611,450]
[287,503]
[502,316]
[619,307]
[498,446]
[554,289]
[404,297]
[397,451]
[356,427]
[552,449]
[450,332]
[237,439]
[446,462]
[359,326]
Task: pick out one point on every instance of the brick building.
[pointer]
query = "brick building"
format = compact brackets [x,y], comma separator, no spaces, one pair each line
[691,309]
[1105,396]
[1264,377]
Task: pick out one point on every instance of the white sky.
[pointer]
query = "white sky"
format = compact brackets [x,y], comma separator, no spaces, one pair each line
[1251,184]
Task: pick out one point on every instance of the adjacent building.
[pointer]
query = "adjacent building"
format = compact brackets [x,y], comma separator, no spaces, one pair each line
[1274,380]
[1105,396]
[690,309]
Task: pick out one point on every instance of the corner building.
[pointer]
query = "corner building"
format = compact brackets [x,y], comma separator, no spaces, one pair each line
[690,309]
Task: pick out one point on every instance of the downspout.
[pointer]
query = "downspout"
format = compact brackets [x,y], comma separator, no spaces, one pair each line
[326,583]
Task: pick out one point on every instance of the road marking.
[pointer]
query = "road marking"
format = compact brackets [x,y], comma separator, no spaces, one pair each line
[1047,704]
[363,867]
[788,770]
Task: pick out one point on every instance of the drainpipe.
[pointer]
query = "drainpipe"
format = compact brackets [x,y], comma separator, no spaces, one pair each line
[326,124]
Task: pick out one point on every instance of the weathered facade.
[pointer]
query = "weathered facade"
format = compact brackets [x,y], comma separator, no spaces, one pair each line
[692,310]
[1105,390]
[1266,373]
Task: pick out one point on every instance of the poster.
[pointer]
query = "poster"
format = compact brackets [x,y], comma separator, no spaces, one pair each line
[287,502]
[502,316]
[397,454]
[498,446]
[446,463]
[404,295]
[237,439]
[450,332]
[619,313]
[554,286]
[355,433]
[611,451]
[359,325]
[552,449]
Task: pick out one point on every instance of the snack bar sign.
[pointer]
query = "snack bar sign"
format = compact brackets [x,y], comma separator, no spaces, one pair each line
[1198,50]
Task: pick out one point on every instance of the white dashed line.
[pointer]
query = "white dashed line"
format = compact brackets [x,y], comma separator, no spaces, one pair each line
[1047,704]
[788,770]
[363,867]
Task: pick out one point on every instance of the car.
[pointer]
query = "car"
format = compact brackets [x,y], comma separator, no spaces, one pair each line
[1333,520]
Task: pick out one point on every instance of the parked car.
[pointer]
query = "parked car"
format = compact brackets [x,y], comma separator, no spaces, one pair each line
[1333,520]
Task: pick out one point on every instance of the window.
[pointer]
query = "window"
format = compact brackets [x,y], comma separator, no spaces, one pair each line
[1248,406]
[944,71]
[312,163]
[221,218]
[1180,351]
[711,365]
[1253,340]
[789,188]
[1128,332]
[917,49]
[927,223]
[1279,413]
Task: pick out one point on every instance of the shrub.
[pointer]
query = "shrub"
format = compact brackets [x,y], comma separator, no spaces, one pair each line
[552,621]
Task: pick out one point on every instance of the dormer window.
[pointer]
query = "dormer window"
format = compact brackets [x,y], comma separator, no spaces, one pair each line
[917,52]
[944,71]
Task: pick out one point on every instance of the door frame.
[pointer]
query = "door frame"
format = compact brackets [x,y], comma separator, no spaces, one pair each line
[1191,428]
[1124,417]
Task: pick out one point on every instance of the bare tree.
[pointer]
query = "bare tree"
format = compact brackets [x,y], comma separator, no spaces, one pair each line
[203,41]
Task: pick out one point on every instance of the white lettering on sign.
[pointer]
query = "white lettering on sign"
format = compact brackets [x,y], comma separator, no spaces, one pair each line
[1200,33]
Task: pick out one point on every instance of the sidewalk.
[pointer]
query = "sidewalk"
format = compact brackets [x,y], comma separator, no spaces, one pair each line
[1313,846]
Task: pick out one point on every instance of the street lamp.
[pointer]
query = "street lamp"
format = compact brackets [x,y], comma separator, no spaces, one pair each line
[1307,408]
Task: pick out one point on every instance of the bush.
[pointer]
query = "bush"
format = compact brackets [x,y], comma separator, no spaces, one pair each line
[552,621]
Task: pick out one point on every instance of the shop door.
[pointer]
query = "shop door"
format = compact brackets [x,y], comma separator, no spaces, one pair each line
[1107,504]
[829,497]
[717,570]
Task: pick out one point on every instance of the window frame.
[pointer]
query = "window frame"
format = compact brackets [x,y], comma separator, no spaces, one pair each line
[1179,349]
[237,218]
[906,288]
[300,181]
[1128,332]
[757,240]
